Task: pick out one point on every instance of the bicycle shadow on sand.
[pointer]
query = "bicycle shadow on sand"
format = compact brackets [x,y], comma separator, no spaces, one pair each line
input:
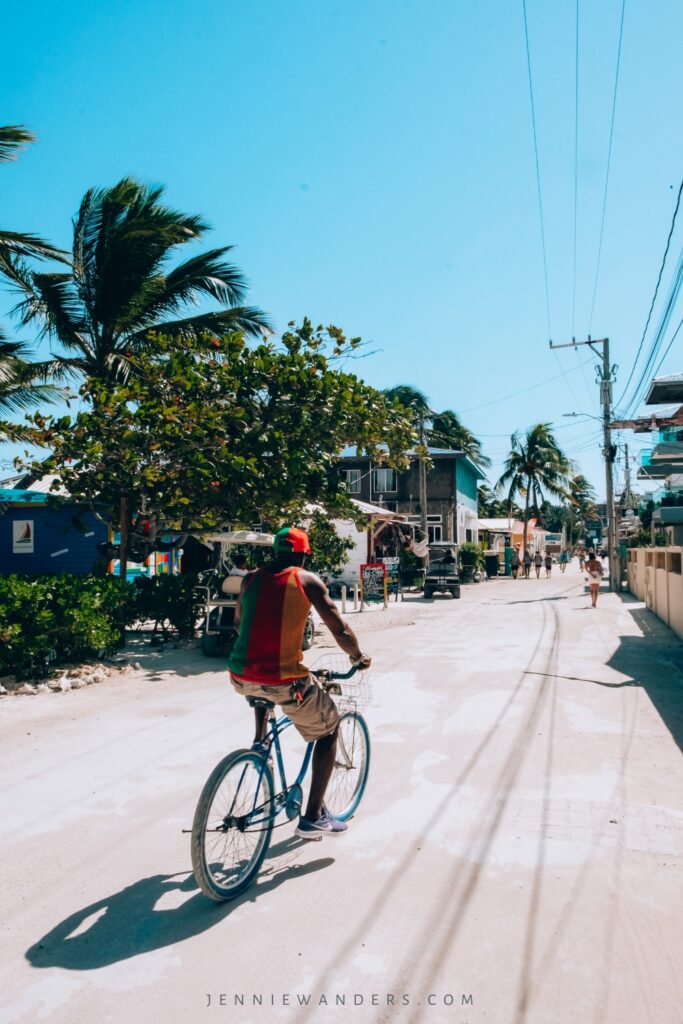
[127,923]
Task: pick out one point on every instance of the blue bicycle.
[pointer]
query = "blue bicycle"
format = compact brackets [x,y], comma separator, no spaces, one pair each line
[237,809]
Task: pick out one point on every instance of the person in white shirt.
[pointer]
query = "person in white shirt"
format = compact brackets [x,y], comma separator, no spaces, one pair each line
[594,570]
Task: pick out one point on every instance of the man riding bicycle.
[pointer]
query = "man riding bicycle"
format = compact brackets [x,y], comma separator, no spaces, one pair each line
[266,661]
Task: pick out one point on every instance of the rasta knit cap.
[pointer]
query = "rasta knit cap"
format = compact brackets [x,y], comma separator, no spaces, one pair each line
[290,540]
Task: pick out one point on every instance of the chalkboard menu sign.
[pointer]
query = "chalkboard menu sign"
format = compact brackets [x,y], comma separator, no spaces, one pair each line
[373,581]
[393,575]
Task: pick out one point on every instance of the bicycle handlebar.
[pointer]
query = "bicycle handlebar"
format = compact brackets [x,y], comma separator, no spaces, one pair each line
[330,676]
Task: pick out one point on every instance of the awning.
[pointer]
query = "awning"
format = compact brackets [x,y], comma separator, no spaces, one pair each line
[665,389]
[11,496]
[377,512]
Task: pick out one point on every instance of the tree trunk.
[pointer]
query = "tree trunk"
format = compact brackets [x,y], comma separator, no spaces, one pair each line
[123,538]
[526,518]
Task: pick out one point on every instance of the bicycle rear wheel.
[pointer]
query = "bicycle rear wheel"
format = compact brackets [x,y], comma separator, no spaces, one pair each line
[232,825]
[351,766]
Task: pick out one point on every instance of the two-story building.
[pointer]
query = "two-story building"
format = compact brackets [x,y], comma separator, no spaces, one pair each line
[451,491]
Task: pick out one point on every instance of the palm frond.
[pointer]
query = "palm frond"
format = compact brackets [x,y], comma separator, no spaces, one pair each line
[15,243]
[54,304]
[13,138]
[251,321]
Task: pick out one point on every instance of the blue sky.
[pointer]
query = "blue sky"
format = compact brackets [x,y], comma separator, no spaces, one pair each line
[373,164]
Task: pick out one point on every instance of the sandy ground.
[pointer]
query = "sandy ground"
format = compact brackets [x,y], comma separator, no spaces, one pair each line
[517,856]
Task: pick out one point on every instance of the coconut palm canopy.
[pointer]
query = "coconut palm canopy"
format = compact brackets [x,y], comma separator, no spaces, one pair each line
[23,385]
[535,465]
[442,429]
[120,286]
[13,244]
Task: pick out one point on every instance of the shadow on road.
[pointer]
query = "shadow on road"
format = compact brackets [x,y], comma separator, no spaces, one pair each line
[127,923]
[654,661]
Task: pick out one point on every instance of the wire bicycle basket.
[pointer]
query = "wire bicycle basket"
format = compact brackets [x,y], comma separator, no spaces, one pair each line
[354,693]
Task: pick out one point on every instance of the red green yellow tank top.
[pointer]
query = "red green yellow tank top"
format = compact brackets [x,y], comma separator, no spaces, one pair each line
[274,609]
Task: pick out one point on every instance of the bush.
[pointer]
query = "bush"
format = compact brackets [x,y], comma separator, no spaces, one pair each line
[53,619]
[170,602]
[470,554]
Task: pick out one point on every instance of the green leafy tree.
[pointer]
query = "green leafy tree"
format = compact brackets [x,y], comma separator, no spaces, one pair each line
[214,431]
[535,465]
[329,551]
[120,286]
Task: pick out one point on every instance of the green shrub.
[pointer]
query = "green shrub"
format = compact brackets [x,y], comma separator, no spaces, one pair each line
[46,620]
[170,602]
[470,554]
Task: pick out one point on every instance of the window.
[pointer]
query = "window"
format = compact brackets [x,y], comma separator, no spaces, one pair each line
[660,558]
[352,479]
[468,535]
[675,562]
[384,480]
[434,529]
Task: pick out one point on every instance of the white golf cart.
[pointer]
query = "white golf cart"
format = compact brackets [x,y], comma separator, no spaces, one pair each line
[219,590]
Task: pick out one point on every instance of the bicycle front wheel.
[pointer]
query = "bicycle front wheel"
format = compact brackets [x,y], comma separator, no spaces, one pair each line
[232,825]
[351,766]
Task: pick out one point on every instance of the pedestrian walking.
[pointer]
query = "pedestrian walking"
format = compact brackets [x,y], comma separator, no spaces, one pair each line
[515,563]
[527,564]
[594,577]
[538,562]
[564,558]
[582,560]
[548,565]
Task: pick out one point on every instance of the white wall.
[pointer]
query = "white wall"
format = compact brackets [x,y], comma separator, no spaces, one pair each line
[357,555]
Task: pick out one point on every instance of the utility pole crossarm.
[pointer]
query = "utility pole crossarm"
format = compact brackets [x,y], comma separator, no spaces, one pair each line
[605,380]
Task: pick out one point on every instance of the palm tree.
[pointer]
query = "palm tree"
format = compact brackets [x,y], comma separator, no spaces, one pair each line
[120,287]
[441,429]
[581,503]
[412,399]
[535,464]
[492,508]
[23,385]
[14,244]
[448,431]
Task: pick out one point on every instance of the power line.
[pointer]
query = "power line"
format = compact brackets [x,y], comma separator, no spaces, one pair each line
[538,171]
[576,160]
[514,394]
[658,339]
[654,297]
[668,348]
[609,159]
[566,378]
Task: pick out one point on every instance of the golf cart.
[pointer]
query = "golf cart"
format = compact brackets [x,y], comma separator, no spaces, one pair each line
[219,590]
[441,575]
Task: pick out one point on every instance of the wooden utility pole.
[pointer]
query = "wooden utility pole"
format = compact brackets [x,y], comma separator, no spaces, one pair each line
[422,466]
[605,377]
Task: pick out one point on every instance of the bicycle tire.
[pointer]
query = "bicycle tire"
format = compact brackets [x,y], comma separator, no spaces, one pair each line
[208,878]
[344,791]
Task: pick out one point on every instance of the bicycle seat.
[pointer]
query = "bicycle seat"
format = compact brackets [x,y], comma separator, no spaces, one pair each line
[260,702]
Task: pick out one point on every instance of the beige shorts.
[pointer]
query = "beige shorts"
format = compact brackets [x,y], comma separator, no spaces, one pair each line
[314,717]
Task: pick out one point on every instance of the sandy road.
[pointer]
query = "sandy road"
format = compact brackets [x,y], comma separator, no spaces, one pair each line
[517,857]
